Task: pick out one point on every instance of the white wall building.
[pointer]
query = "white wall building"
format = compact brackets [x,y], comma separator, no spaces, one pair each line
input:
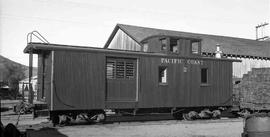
[24,87]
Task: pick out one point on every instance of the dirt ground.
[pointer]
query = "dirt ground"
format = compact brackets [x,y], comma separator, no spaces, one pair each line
[171,128]
[166,128]
[41,127]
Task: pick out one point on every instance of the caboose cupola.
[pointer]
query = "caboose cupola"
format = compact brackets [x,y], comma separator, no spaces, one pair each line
[173,45]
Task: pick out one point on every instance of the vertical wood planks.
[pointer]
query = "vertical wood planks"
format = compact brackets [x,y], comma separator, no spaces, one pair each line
[80,82]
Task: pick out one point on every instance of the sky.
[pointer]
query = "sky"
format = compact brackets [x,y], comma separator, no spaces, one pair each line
[90,22]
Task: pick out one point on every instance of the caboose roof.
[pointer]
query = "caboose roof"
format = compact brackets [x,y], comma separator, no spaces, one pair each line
[36,48]
[229,45]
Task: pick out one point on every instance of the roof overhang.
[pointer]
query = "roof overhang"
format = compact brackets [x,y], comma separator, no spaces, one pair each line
[43,47]
[37,48]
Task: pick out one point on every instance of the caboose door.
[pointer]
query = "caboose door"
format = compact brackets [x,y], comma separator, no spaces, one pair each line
[121,79]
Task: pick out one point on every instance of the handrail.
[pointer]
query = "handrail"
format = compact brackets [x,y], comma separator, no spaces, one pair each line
[37,35]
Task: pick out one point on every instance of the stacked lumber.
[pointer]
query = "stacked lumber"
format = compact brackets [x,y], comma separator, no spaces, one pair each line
[253,91]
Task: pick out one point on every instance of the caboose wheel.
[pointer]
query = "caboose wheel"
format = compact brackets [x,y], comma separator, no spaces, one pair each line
[100,118]
[186,116]
[216,114]
[191,115]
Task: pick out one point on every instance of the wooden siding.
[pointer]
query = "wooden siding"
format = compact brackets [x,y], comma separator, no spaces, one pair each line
[122,41]
[43,74]
[40,76]
[184,88]
[154,41]
[185,48]
[47,78]
[79,80]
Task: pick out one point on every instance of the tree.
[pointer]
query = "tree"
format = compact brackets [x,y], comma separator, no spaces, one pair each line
[14,74]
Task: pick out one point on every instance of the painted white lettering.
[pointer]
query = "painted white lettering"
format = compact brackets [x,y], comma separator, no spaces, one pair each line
[181,61]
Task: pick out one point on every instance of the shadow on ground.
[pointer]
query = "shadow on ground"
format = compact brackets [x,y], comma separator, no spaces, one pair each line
[44,132]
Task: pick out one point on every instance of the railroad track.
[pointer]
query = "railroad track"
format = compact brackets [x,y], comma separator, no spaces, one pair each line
[159,118]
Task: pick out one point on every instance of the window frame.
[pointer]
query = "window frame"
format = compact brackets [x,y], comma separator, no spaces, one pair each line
[177,45]
[166,46]
[199,47]
[113,70]
[207,76]
[118,69]
[160,77]
[127,68]
[143,47]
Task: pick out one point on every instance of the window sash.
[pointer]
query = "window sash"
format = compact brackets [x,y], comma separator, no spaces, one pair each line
[174,45]
[130,70]
[145,47]
[120,69]
[195,47]
[163,75]
[110,69]
[163,44]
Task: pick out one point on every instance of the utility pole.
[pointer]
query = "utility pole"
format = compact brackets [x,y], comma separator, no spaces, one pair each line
[261,27]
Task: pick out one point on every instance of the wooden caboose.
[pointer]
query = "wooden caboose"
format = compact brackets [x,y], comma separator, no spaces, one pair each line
[162,74]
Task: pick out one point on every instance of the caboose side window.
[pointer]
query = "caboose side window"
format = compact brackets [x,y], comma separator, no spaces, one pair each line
[174,45]
[204,76]
[120,69]
[163,44]
[130,70]
[145,47]
[163,75]
[195,45]
[110,66]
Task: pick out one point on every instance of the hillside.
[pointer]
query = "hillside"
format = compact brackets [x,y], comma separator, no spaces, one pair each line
[5,62]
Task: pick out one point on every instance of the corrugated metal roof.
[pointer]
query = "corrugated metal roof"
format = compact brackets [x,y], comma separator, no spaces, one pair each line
[229,45]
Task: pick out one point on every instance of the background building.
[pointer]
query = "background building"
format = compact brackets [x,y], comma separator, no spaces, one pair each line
[254,54]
